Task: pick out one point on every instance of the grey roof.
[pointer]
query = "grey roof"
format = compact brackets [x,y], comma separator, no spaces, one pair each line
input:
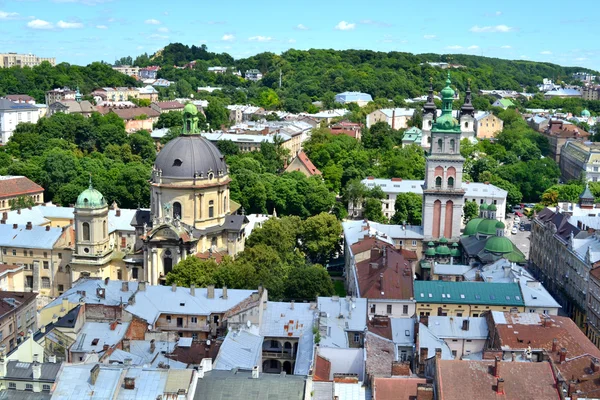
[334,329]
[156,300]
[354,231]
[472,189]
[344,361]
[197,156]
[69,320]
[451,327]
[240,349]
[36,237]
[18,370]
[229,385]
[403,331]
[24,395]
[114,295]
[7,105]
[141,217]
[428,340]
[94,335]
[122,222]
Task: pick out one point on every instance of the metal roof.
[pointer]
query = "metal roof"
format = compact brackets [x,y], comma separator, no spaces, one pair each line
[472,189]
[19,370]
[94,335]
[113,292]
[483,293]
[36,237]
[451,327]
[240,349]
[338,316]
[356,230]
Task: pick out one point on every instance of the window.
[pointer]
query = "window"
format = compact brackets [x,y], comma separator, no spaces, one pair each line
[46,265]
[194,320]
[60,256]
[86,231]
[61,288]
[404,309]
[414,243]
[177,210]
[389,308]
[134,273]
[438,182]
[373,308]
[168,319]
[213,241]
[30,253]
[14,252]
[452,145]
[45,283]
[459,314]
[12,385]
[469,340]
[45,255]
[475,315]
[194,336]
[451,182]
[46,388]
[439,145]
[211,209]
[454,353]
[357,338]
[24,253]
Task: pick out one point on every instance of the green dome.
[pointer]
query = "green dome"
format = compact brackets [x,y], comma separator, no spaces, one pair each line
[487,227]
[447,92]
[443,240]
[499,244]
[500,225]
[190,109]
[484,206]
[442,250]
[455,253]
[446,121]
[430,244]
[471,227]
[430,252]
[585,113]
[492,207]
[90,198]
[454,244]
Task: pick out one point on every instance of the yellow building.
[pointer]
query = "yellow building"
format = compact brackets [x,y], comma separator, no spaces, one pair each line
[17,317]
[8,60]
[466,299]
[14,187]
[487,125]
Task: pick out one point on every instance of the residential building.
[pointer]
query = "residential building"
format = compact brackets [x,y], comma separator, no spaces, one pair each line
[473,191]
[136,118]
[593,307]
[412,136]
[580,159]
[466,299]
[352,129]
[60,94]
[116,93]
[167,106]
[342,321]
[8,60]
[95,339]
[303,164]
[17,316]
[217,70]
[242,113]
[82,107]
[401,388]
[150,72]
[328,115]
[20,98]
[584,76]
[12,114]
[27,380]
[590,93]
[208,89]
[538,338]
[561,93]
[361,99]
[499,94]
[253,75]
[538,122]
[251,141]
[12,278]
[487,125]
[13,187]
[120,382]
[503,103]
[148,92]
[558,132]
[405,237]
[396,118]
[129,70]
[465,336]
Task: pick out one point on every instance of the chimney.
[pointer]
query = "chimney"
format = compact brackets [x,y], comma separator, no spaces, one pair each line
[131,300]
[513,356]
[152,346]
[36,368]
[4,215]
[118,212]
[424,391]
[201,373]
[125,286]
[465,325]
[224,293]
[292,304]
[126,345]
[128,361]
[573,390]
[192,290]
[15,226]
[101,293]
[394,118]
[381,281]
[562,355]
[47,228]
[28,226]
[105,347]
[174,287]
[106,280]
[438,353]
[375,253]
[94,374]
[497,367]
[52,359]
[129,383]
[554,345]
[595,365]
[113,325]
[142,286]
[500,386]
[255,373]
[210,291]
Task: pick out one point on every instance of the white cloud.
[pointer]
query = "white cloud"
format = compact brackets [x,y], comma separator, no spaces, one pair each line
[301,27]
[455,47]
[152,22]
[260,38]
[506,47]
[101,26]
[292,41]
[140,47]
[429,37]
[581,59]
[474,47]
[228,38]
[40,24]
[496,28]
[498,13]
[546,52]
[163,30]
[69,25]
[345,26]
[8,15]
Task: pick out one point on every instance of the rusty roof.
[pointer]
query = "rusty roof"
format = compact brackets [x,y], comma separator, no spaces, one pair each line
[308,164]
[322,369]
[396,388]
[469,379]
[131,113]
[169,105]
[380,325]
[12,186]
[385,275]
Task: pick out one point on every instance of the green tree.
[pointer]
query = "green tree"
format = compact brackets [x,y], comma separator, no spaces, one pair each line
[320,237]
[308,283]
[408,208]
[228,148]
[372,211]
[216,114]
[470,210]
[193,271]
[169,120]
[21,202]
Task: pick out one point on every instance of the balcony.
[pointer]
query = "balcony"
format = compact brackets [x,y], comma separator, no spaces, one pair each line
[279,355]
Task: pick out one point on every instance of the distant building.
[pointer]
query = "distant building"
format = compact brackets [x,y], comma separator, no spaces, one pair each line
[558,132]
[148,72]
[590,93]
[538,123]
[27,380]
[55,95]
[167,106]
[82,107]
[20,98]
[578,158]
[13,187]
[584,76]
[396,118]
[562,94]
[351,129]
[303,164]
[362,99]
[208,89]
[12,114]
[12,278]
[487,125]
[217,70]
[116,93]
[412,136]
[148,92]
[503,103]
[18,315]
[8,60]
[136,118]
[128,70]
[253,75]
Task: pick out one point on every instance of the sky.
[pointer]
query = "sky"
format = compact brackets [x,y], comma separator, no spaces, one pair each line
[82,31]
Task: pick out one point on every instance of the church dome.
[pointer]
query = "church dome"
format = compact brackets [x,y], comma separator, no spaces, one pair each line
[190,109]
[484,206]
[500,225]
[430,252]
[585,113]
[471,227]
[487,227]
[492,207]
[499,244]
[447,92]
[443,240]
[442,250]
[446,121]
[187,156]
[90,198]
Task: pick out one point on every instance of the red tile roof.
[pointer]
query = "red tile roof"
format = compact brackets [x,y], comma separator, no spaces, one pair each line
[169,105]
[560,129]
[381,326]
[308,164]
[12,186]
[4,268]
[385,274]
[19,98]
[468,379]
[396,388]
[322,369]
[130,113]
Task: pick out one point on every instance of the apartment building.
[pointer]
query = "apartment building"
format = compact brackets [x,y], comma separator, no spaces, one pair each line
[8,60]
[17,316]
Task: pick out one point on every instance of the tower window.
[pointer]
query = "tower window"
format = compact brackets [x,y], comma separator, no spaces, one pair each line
[452,145]
[177,210]
[104,228]
[86,231]
[440,145]
[211,209]
[177,162]
[451,182]
[438,182]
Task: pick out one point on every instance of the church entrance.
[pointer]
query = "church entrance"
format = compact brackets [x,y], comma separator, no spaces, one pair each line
[167,262]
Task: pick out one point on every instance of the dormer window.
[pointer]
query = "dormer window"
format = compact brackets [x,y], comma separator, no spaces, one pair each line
[177,162]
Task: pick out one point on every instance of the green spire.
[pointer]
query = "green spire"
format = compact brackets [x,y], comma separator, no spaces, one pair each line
[446,122]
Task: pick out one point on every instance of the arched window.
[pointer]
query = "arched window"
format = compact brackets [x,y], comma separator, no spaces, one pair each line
[440,145]
[225,204]
[177,210]
[104,228]
[213,241]
[86,231]
[430,123]
[167,262]
[211,209]
[451,182]
[438,182]
[452,145]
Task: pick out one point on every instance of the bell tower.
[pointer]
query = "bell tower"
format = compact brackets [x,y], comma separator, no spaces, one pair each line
[443,195]
[429,116]
[467,116]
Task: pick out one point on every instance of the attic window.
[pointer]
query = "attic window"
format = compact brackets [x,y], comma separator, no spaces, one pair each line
[422,295]
[462,296]
[407,332]
[182,304]
[507,297]
[478,297]
[448,295]
[518,297]
[95,342]
[492,297]
[177,162]
[430,295]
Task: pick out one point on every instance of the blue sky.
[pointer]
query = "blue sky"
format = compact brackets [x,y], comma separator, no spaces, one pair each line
[81,31]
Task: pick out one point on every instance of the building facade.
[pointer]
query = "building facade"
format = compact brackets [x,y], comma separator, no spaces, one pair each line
[12,114]
[59,94]
[396,118]
[580,159]
[12,188]
[8,60]
[487,125]
[19,316]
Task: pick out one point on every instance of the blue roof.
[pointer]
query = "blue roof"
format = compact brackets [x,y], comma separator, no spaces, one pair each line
[36,237]
[240,349]
[352,96]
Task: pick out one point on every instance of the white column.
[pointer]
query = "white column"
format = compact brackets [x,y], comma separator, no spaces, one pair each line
[442,217]
[154,268]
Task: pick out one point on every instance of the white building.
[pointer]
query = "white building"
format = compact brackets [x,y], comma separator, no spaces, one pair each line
[464,336]
[474,191]
[396,118]
[12,114]
[362,99]
[253,75]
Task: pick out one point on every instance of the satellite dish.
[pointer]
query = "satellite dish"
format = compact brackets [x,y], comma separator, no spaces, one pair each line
[208,342]
[248,324]
[149,327]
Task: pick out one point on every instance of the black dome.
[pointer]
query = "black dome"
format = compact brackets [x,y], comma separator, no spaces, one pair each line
[185,156]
